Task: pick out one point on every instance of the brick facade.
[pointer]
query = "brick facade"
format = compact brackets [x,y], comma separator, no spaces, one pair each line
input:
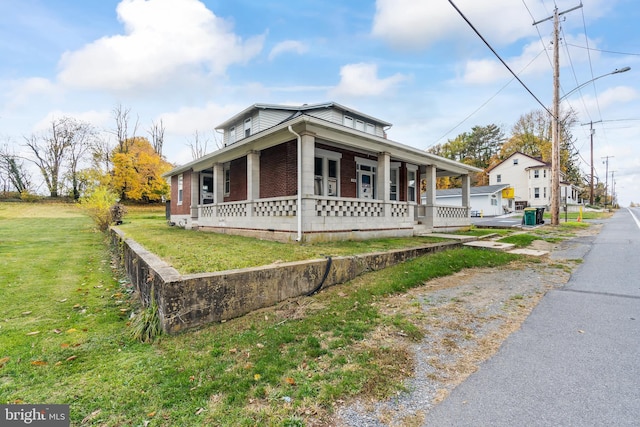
[278,170]
[185,207]
[238,180]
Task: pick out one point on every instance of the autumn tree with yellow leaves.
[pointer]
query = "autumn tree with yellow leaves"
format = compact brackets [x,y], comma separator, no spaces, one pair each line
[137,172]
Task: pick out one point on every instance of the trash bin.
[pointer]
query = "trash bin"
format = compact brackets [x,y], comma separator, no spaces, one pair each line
[539,215]
[529,216]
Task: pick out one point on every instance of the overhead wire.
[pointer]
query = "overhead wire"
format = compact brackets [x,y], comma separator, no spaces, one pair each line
[487,101]
[498,56]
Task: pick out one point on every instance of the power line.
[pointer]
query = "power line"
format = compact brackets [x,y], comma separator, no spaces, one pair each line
[498,56]
[603,51]
[487,101]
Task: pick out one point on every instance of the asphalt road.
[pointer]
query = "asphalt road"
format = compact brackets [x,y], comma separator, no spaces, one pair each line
[576,359]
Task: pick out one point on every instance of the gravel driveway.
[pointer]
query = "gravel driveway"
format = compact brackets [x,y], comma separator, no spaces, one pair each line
[466,317]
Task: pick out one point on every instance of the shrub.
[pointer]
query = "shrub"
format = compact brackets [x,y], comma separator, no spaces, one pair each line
[98,206]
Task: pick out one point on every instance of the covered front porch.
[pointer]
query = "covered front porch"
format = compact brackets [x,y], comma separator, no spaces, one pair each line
[326,184]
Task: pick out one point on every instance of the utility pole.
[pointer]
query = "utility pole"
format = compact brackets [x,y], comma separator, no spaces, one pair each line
[555,125]
[593,131]
[613,190]
[606,178]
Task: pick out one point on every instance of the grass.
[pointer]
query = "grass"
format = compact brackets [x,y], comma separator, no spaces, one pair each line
[64,337]
[198,252]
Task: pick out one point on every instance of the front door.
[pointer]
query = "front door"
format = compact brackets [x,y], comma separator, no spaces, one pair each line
[365,185]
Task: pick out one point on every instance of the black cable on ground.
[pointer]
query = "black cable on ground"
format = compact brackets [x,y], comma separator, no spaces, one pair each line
[326,273]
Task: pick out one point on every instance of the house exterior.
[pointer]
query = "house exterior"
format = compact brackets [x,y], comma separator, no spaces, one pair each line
[530,179]
[313,172]
[485,200]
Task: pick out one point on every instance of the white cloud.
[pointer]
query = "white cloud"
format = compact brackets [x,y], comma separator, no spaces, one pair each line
[187,120]
[162,38]
[288,46]
[409,24]
[362,80]
[23,90]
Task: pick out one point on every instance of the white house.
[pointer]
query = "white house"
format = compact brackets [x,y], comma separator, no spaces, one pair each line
[485,200]
[313,172]
[530,179]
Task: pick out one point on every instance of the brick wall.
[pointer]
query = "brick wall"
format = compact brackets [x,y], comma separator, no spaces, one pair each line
[185,208]
[278,170]
[238,180]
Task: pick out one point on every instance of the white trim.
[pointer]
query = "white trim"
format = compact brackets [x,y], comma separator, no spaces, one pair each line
[366,162]
[328,154]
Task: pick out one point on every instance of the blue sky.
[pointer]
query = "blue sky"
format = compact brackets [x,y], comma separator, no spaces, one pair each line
[416,64]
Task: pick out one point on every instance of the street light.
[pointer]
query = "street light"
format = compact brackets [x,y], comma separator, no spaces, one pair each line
[555,150]
[616,71]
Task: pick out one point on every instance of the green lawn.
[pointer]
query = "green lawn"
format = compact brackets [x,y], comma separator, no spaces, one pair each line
[197,252]
[64,337]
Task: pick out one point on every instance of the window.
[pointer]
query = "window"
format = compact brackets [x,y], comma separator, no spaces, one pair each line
[494,202]
[411,186]
[247,127]
[515,161]
[370,128]
[180,188]
[393,188]
[536,193]
[348,121]
[498,178]
[360,125]
[232,135]
[227,179]
[536,173]
[326,171]
[544,192]
[544,173]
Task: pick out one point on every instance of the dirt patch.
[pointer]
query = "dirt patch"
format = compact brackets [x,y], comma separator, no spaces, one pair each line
[465,319]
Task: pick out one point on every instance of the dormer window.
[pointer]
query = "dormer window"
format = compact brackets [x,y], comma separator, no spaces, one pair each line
[247,127]
[232,135]
[348,121]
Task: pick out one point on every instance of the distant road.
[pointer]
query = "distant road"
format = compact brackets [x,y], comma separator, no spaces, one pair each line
[576,359]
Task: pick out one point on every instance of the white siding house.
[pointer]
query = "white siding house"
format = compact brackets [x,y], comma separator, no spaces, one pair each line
[485,200]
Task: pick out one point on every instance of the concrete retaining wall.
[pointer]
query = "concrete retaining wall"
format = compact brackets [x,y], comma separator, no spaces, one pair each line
[193,300]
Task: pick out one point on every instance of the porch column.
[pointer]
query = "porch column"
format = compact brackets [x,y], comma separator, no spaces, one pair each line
[430,203]
[384,175]
[466,191]
[195,194]
[308,149]
[218,183]
[430,177]
[253,175]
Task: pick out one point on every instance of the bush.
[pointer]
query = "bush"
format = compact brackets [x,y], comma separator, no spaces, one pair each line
[98,206]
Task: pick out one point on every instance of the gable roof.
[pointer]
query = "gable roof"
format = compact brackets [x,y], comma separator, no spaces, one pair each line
[297,110]
[350,137]
[537,159]
[475,191]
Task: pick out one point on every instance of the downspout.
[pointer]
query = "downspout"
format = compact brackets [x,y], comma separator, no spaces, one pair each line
[299,203]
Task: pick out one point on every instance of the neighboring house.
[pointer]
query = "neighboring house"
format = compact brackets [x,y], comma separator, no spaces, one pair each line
[485,200]
[313,172]
[530,179]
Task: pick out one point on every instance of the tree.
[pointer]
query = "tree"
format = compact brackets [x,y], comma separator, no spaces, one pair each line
[137,173]
[123,136]
[12,169]
[198,146]
[63,144]
[476,148]
[156,132]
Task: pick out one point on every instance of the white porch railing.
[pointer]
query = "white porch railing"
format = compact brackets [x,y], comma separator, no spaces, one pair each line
[328,213]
